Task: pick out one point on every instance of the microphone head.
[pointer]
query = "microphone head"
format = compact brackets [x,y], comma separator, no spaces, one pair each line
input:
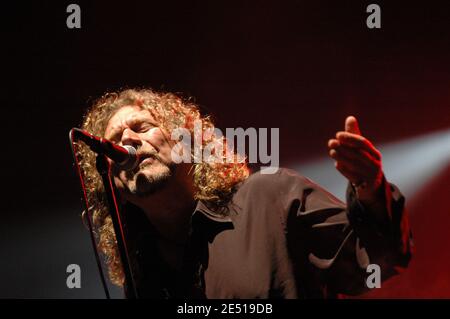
[132,160]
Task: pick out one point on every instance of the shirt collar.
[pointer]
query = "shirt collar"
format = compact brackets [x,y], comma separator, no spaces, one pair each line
[209,222]
[213,215]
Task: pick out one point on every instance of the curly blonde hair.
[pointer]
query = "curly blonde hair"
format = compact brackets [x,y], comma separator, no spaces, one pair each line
[214,182]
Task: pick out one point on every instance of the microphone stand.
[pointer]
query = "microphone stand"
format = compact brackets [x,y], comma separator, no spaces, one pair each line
[103,169]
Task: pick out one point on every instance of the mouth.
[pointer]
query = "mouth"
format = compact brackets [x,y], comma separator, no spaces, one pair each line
[146,159]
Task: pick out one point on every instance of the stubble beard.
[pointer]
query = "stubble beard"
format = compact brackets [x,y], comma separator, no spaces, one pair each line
[149,178]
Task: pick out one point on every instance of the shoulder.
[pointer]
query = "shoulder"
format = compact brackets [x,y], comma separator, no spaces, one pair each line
[283,179]
[270,188]
[284,188]
[263,201]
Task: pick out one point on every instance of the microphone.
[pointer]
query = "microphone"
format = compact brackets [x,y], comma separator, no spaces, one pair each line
[124,156]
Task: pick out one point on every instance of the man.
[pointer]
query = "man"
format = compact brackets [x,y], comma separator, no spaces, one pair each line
[212,230]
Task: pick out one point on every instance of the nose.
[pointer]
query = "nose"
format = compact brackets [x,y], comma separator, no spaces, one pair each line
[129,137]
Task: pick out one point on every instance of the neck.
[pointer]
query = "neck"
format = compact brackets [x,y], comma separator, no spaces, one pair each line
[170,213]
[170,210]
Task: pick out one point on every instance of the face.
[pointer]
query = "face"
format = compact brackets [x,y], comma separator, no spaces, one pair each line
[134,126]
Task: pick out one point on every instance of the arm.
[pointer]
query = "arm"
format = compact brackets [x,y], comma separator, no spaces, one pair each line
[331,244]
[341,241]
[375,208]
[381,236]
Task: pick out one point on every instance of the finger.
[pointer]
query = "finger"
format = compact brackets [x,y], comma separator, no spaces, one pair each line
[353,140]
[345,153]
[358,155]
[333,143]
[360,164]
[351,125]
[355,161]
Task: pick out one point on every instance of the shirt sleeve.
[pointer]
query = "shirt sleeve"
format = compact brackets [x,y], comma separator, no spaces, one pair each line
[332,244]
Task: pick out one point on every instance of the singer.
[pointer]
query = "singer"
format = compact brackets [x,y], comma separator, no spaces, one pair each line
[214,230]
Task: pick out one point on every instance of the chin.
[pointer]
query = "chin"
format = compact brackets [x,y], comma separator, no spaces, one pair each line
[150,179]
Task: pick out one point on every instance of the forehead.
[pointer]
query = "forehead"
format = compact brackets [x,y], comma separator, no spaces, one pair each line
[127,116]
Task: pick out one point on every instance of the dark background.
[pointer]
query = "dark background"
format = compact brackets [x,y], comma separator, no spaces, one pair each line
[301,66]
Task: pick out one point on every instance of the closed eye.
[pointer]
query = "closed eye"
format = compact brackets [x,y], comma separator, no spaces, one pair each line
[143,127]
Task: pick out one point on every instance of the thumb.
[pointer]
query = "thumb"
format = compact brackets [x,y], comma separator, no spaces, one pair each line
[351,125]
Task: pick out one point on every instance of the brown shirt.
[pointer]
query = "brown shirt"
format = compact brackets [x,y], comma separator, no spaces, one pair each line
[284,237]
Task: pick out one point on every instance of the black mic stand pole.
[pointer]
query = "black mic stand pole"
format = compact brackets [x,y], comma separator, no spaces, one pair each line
[73,148]
[103,168]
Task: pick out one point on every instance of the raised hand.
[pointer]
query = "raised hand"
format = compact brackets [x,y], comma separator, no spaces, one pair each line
[358,160]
